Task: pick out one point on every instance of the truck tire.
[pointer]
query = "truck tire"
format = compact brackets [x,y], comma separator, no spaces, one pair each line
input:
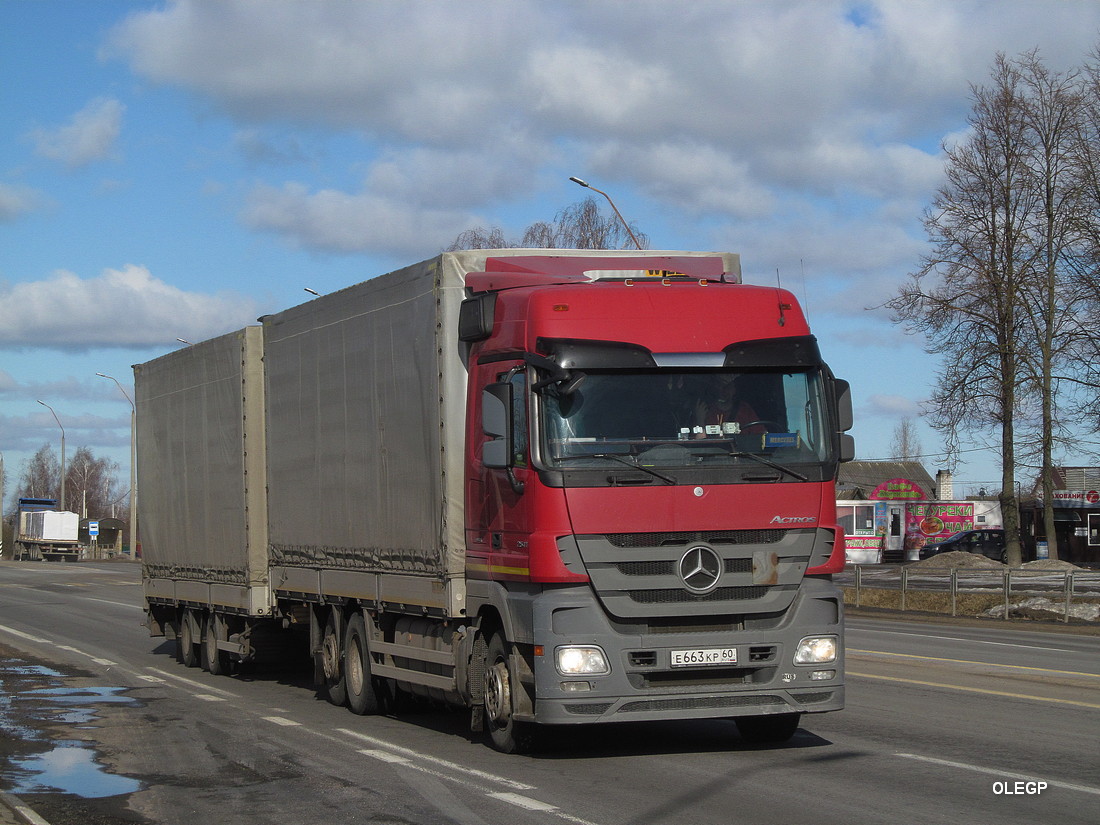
[213,660]
[358,682]
[186,653]
[505,733]
[332,659]
[768,730]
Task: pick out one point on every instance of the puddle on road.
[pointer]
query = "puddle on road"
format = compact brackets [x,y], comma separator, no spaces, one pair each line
[69,767]
[35,700]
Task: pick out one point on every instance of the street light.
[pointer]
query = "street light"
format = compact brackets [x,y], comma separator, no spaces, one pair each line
[311,291]
[58,420]
[133,464]
[626,226]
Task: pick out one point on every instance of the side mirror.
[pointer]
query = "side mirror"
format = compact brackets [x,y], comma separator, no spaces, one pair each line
[496,422]
[845,418]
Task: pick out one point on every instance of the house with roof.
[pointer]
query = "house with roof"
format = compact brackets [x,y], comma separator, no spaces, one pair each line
[890,509]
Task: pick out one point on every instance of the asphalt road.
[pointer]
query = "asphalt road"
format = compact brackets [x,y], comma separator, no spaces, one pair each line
[984,723]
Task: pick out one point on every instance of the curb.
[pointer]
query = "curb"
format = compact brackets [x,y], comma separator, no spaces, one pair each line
[23,814]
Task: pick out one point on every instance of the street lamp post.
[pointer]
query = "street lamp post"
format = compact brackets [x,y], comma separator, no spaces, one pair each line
[133,464]
[626,226]
[58,420]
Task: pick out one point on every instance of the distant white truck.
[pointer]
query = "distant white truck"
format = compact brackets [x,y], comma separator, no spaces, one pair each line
[43,532]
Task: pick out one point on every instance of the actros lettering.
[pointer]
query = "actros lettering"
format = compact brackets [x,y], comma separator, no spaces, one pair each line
[793,519]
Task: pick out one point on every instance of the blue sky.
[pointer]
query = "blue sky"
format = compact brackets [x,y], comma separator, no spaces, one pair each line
[175,170]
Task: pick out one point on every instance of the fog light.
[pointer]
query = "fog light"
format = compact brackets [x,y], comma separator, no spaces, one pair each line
[822,675]
[581,660]
[815,650]
[576,687]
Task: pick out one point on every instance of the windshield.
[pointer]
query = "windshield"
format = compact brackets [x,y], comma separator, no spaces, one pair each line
[687,418]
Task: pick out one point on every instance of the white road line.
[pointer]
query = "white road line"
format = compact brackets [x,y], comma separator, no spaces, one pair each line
[130,605]
[68,648]
[915,635]
[524,802]
[206,697]
[454,766]
[282,721]
[1053,783]
[225,694]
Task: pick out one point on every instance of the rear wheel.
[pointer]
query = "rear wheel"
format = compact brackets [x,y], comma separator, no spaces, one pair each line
[768,730]
[506,734]
[214,660]
[362,698]
[186,653]
[331,660]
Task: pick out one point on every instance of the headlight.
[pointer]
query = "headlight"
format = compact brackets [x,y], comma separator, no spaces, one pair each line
[816,650]
[575,661]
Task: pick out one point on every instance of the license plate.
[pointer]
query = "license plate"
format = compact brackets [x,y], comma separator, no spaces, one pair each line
[705,656]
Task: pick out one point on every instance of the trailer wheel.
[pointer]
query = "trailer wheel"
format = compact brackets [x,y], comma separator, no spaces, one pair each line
[768,730]
[185,641]
[362,698]
[331,660]
[505,733]
[214,660]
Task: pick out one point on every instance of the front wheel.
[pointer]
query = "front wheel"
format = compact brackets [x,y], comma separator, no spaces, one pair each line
[768,730]
[362,698]
[506,734]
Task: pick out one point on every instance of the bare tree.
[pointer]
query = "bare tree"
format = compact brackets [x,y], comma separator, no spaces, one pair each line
[579,226]
[41,475]
[91,483]
[906,444]
[967,296]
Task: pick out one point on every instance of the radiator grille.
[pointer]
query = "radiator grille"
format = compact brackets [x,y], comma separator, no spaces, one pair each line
[722,594]
[684,538]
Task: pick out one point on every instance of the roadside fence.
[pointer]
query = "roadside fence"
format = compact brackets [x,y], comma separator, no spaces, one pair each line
[1061,587]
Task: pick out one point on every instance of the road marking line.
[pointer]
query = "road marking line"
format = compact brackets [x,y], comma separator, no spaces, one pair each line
[192,683]
[206,697]
[454,766]
[116,604]
[524,802]
[971,662]
[49,642]
[956,639]
[279,720]
[975,690]
[518,800]
[1054,783]
[385,756]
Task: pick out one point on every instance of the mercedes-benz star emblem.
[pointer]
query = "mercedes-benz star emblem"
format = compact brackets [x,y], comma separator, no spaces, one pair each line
[700,568]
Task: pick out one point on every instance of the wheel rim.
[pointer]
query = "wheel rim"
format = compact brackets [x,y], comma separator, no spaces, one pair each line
[498,694]
[212,639]
[355,667]
[330,655]
[185,633]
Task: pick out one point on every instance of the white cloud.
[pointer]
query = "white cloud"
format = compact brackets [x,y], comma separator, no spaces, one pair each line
[16,201]
[336,221]
[892,406]
[90,135]
[125,307]
[736,111]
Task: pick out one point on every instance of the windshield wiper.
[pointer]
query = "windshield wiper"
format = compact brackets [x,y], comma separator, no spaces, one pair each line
[768,463]
[636,466]
[759,459]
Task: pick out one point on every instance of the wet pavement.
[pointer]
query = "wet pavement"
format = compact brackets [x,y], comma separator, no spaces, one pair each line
[50,772]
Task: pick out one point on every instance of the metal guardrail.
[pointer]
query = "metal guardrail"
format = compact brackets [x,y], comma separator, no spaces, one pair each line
[1073,583]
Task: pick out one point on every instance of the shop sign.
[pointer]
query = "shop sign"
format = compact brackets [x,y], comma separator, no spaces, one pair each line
[1076,498]
[936,521]
[863,542]
[898,489]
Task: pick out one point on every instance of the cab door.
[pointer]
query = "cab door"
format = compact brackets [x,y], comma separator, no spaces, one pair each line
[497,523]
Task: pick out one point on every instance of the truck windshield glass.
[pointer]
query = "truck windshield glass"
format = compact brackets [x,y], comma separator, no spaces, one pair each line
[687,418]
